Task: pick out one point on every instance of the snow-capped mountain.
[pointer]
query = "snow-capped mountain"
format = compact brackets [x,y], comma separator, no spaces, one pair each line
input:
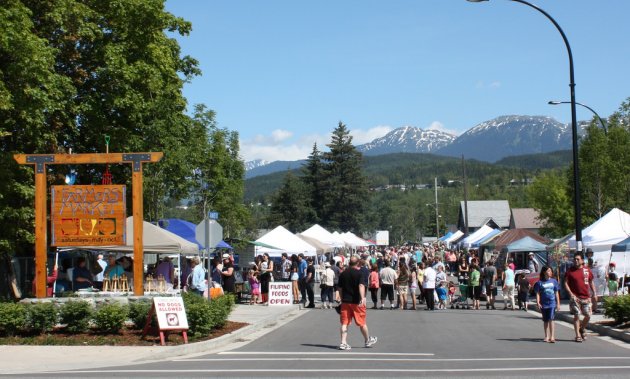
[510,135]
[407,139]
[489,141]
[250,165]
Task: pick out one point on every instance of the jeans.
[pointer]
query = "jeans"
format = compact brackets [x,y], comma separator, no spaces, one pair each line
[310,293]
[429,296]
[327,294]
[302,287]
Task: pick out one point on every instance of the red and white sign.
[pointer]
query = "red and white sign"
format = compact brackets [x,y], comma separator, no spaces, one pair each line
[280,293]
[170,313]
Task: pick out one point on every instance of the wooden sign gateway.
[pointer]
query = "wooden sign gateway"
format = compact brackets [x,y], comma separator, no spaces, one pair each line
[88,215]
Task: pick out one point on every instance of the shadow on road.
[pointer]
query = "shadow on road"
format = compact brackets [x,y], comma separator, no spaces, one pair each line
[332,347]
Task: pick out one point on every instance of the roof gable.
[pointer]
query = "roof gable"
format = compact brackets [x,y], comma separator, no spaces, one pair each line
[479,211]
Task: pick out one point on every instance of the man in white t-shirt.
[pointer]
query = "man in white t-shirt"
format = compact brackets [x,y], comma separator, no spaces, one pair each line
[428,286]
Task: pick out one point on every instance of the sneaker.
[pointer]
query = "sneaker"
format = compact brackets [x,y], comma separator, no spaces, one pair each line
[344,346]
[382,307]
[371,341]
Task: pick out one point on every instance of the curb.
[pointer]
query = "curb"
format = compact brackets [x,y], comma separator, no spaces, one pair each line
[217,343]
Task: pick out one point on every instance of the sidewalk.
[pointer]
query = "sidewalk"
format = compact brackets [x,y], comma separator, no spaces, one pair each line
[25,359]
[593,325]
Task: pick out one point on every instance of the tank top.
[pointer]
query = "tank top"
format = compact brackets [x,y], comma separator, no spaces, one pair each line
[509,277]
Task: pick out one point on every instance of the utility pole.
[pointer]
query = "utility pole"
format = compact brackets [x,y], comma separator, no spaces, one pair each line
[437,225]
[465,198]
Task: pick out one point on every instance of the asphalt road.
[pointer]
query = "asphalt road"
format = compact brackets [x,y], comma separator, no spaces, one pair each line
[448,343]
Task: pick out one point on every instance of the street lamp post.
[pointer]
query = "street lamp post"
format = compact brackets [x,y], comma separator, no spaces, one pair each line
[576,169]
[601,120]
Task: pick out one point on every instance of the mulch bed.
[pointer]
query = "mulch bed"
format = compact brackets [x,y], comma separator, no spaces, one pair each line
[126,337]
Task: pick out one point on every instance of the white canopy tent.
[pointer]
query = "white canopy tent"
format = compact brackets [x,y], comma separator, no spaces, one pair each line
[324,236]
[319,246]
[286,242]
[454,237]
[352,241]
[476,236]
[600,236]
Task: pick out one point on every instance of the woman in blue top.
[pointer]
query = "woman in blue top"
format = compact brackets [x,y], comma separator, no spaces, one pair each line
[548,301]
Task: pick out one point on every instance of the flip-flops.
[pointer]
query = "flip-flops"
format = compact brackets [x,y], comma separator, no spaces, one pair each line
[578,339]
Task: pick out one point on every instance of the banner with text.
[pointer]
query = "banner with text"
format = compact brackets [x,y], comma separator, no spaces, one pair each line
[280,293]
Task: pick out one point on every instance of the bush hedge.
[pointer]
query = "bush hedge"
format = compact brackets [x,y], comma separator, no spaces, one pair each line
[76,314]
[138,312]
[12,318]
[618,307]
[110,318]
[41,317]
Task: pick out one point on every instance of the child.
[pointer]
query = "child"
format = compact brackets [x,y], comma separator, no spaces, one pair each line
[254,284]
[523,291]
[442,296]
[613,284]
[451,294]
[474,285]
[547,292]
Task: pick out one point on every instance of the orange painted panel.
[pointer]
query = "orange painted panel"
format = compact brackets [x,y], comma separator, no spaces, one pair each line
[88,215]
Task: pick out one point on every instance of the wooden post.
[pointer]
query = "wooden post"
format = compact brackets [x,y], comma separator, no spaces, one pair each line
[138,230]
[41,196]
[40,234]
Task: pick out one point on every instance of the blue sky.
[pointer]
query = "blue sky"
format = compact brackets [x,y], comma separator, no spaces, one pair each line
[283,73]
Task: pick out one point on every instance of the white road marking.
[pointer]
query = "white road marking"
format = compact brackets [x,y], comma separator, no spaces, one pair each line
[357,370]
[394,359]
[316,353]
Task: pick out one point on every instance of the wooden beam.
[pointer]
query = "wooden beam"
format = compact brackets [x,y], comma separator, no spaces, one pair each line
[95,158]
[40,235]
[138,230]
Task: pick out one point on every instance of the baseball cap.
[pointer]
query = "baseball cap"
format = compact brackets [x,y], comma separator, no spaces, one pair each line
[226,255]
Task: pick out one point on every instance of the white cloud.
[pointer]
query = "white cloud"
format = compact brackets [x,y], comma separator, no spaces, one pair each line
[436,125]
[491,85]
[360,136]
[283,145]
[280,135]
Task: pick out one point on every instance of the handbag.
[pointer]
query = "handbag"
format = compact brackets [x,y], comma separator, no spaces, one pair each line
[95,268]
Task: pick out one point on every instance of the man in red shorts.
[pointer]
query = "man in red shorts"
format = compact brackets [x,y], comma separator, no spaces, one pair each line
[578,282]
[352,296]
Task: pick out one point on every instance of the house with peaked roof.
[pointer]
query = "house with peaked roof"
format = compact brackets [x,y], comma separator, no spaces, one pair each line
[525,218]
[494,213]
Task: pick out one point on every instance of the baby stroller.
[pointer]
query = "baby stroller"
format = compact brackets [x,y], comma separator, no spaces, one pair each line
[462,301]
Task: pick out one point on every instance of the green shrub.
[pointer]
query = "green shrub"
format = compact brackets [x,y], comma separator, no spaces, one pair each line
[41,317]
[204,315]
[110,318]
[618,307]
[138,312]
[12,318]
[76,315]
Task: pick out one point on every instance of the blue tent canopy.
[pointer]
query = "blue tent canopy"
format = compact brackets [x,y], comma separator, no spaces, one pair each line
[445,237]
[493,233]
[526,244]
[186,230]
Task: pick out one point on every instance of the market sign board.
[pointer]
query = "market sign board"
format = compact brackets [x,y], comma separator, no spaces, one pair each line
[170,312]
[280,293]
[88,215]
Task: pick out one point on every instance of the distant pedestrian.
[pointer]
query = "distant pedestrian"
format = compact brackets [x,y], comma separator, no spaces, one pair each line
[402,283]
[198,281]
[428,286]
[489,281]
[579,284]
[302,265]
[413,285]
[388,280]
[474,285]
[295,277]
[373,285]
[547,292]
[327,281]
[523,291]
[309,282]
[353,304]
[508,287]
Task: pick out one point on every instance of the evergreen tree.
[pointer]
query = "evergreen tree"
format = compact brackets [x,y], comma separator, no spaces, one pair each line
[290,205]
[346,191]
[312,178]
